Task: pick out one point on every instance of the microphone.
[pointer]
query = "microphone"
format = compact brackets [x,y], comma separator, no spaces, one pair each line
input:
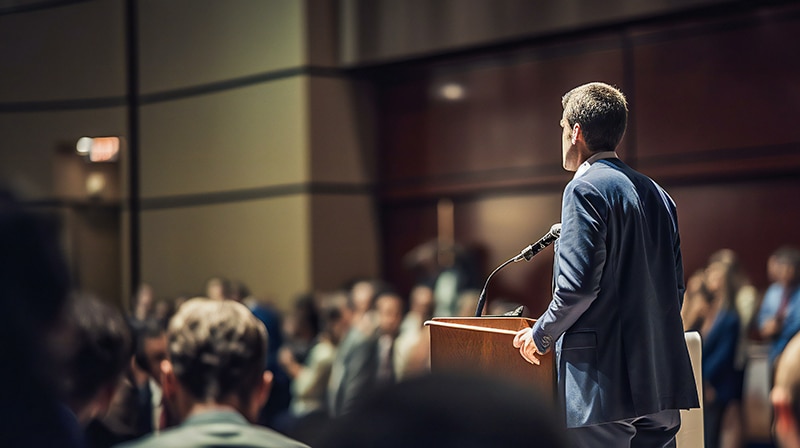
[526,254]
[535,248]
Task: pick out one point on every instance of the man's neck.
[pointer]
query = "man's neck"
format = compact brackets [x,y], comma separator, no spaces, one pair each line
[202,408]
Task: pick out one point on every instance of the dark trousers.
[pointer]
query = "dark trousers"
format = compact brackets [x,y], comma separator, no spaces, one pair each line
[650,431]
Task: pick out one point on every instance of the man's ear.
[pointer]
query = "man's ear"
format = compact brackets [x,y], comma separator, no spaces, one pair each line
[264,388]
[576,132]
[169,384]
[259,397]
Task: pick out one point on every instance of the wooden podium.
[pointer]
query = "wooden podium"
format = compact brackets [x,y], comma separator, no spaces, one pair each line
[484,344]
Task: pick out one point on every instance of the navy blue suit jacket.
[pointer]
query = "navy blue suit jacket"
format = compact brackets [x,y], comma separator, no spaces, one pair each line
[618,289]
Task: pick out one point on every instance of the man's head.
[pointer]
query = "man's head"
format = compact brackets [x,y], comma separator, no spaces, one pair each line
[217,351]
[390,309]
[786,396]
[151,347]
[594,120]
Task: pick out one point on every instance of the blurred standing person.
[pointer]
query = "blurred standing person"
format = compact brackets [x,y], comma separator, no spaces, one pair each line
[745,297]
[614,320]
[413,343]
[722,382]
[310,378]
[779,316]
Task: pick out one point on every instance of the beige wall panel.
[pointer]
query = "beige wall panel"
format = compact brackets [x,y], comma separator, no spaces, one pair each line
[191,42]
[70,52]
[344,239]
[32,141]
[242,138]
[340,132]
[263,243]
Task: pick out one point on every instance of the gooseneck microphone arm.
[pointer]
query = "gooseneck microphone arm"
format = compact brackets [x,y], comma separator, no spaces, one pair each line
[482,298]
[527,254]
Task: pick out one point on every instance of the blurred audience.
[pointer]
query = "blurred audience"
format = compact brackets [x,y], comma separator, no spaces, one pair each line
[214,376]
[779,316]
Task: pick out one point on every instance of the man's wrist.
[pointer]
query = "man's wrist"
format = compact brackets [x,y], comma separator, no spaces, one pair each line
[542,340]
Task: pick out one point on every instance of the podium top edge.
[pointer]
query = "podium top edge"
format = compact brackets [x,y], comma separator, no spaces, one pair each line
[434,323]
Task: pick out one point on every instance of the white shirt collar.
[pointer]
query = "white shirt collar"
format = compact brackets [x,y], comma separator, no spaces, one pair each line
[594,158]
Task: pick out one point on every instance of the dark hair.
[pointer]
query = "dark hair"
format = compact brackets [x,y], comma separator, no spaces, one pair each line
[143,330]
[602,112]
[217,349]
[787,255]
[102,347]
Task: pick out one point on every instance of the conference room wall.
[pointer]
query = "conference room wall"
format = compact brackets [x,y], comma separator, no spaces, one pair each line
[234,117]
[712,103]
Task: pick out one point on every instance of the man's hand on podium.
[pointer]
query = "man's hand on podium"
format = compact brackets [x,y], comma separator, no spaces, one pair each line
[527,348]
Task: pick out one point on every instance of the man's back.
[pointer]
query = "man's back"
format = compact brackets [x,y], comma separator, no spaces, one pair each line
[217,429]
[620,244]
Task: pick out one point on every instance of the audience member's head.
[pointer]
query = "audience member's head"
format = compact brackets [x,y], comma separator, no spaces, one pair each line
[446,411]
[786,396]
[100,349]
[336,316]
[219,288]
[143,302]
[217,350]
[303,322]
[363,296]
[390,309]
[783,266]
[467,302]
[422,302]
[151,347]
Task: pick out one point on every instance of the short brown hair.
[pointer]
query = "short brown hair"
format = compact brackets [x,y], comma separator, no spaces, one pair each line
[217,349]
[602,112]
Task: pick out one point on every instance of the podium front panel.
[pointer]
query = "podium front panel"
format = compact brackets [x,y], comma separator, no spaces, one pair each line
[485,345]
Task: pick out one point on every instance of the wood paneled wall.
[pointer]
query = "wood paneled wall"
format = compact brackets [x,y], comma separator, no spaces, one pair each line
[713,98]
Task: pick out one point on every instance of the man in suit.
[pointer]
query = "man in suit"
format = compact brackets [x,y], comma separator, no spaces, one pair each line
[215,379]
[786,396]
[366,362]
[614,319]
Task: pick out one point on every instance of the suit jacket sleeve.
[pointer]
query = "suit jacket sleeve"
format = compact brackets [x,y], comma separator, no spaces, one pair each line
[580,258]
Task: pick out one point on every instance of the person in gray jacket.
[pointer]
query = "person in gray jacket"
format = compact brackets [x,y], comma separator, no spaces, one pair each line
[215,380]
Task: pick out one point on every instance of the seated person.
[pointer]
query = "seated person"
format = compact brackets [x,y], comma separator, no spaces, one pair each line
[215,379]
